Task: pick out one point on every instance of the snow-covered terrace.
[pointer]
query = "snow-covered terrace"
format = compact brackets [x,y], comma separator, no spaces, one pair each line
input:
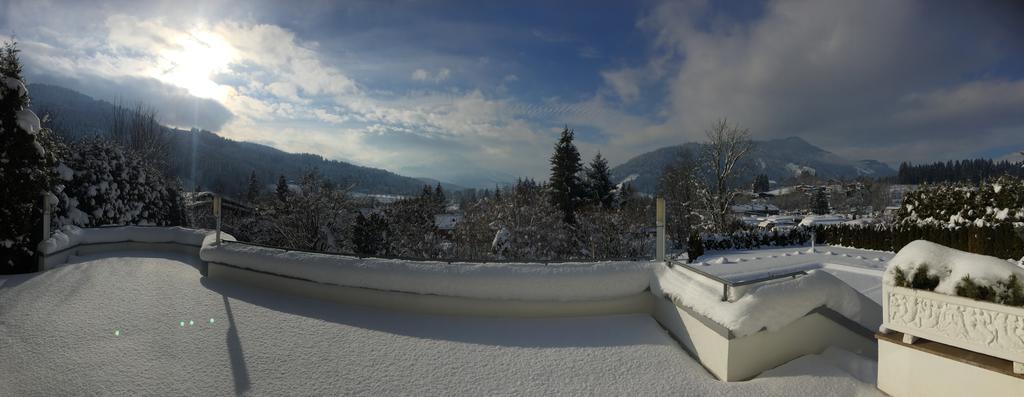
[139,317]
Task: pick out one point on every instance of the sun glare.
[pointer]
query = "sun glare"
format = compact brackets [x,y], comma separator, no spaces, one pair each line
[192,62]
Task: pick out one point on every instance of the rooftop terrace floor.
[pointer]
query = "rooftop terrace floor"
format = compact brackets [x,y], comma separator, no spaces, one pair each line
[148,323]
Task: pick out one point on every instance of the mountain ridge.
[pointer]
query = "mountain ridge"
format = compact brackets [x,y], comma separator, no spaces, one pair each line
[780,159]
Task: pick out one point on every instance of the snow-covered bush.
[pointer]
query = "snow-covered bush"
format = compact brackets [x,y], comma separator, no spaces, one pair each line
[928,266]
[105,184]
[958,204]
[26,170]
[520,223]
[756,238]
[316,217]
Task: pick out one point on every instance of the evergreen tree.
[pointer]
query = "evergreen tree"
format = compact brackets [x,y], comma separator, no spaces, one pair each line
[369,233]
[439,197]
[565,187]
[282,189]
[820,202]
[599,186]
[26,174]
[761,184]
[253,191]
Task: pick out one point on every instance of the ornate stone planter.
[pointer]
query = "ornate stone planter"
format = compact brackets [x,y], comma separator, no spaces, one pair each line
[982,327]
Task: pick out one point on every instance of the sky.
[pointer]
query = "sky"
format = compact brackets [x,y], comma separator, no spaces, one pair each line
[469,92]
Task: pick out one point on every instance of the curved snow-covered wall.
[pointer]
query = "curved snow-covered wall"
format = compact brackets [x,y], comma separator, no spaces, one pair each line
[71,236]
[495,281]
[71,240]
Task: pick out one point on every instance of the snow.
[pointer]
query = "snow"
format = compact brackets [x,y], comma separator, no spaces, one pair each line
[14,84]
[70,236]
[64,172]
[769,306]
[110,325]
[859,268]
[517,281]
[28,121]
[798,170]
[950,265]
[818,220]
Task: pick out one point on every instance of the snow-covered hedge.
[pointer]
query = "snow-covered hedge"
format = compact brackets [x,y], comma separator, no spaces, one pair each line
[506,281]
[926,265]
[757,238]
[769,306]
[1002,240]
[957,204]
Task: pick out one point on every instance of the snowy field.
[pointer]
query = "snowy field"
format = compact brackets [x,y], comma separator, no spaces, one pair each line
[150,324]
[861,269]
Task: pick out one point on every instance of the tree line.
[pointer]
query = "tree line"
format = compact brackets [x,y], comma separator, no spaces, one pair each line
[974,171]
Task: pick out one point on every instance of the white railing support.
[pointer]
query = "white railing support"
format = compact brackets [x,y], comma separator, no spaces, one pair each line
[46,231]
[660,224]
[216,213]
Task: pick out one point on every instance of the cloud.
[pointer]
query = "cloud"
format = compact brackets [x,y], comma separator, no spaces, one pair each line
[846,75]
[424,75]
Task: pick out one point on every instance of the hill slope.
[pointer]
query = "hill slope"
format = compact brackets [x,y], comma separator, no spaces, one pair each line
[215,162]
[779,158]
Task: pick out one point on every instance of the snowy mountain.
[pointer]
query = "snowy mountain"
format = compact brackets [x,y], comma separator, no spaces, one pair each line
[220,163]
[780,159]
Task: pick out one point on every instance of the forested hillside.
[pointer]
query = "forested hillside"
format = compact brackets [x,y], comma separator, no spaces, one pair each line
[213,162]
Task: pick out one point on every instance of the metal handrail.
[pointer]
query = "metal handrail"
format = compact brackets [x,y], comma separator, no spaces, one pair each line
[444,260]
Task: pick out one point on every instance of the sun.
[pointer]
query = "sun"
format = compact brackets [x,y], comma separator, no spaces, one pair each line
[192,60]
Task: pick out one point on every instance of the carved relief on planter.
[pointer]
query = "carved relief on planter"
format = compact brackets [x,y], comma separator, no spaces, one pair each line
[984,327]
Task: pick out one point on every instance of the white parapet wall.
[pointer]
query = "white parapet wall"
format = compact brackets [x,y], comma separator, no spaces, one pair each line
[71,241]
[530,289]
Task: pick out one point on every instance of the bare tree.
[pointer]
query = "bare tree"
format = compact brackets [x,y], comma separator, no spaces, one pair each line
[136,128]
[722,155]
[678,187]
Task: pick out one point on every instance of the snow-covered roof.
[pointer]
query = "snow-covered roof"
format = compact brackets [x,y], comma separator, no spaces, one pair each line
[754,207]
[818,220]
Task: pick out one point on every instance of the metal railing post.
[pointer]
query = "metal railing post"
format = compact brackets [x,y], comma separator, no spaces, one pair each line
[216,213]
[46,232]
[660,224]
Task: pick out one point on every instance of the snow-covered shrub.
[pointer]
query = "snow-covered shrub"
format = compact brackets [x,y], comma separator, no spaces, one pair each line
[519,223]
[932,267]
[756,238]
[105,184]
[316,217]
[26,170]
[616,233]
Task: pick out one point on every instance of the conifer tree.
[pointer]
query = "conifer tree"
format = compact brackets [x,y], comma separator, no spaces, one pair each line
[253,191]
[439,196]
[761,183]
[820,202]
[282,189]
[26,174]
[599,185]
[565,187]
